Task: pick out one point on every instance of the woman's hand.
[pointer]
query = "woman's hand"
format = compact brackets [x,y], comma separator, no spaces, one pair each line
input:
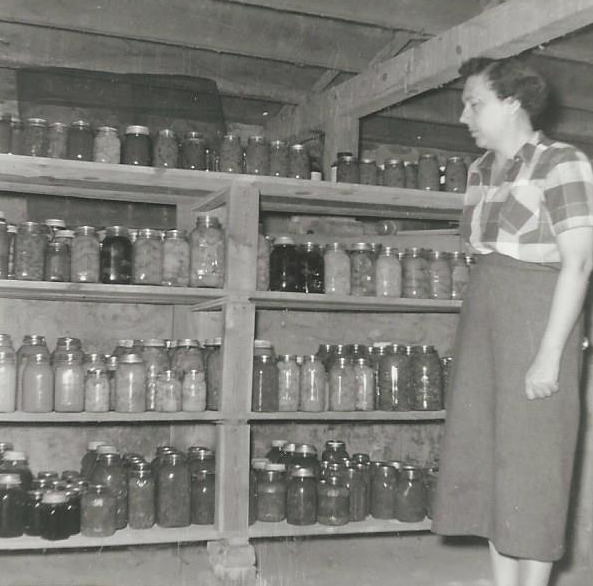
[541,380]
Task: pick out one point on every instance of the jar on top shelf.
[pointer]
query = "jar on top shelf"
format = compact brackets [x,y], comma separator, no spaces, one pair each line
[57,141]
[136,148]
[367,169]
[298,162]
[165,149]
[429,174]
[17,137]
[231,154]
[35,137]
[411,170]
[278,158]
[394,174]
[207,253]
[347,170]
[193,151]
[107,145]
[80,141]
[257,156]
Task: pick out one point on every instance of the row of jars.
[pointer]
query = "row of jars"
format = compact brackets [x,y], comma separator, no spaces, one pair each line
[110,492]
[292,483]
[425,174]
[139,376]
[38,252]
[353,377]
[363,269]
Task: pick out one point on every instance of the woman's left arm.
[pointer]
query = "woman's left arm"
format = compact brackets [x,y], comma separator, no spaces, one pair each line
[576,251]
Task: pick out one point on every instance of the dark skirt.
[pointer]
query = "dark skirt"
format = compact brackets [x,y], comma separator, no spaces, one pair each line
[507,462]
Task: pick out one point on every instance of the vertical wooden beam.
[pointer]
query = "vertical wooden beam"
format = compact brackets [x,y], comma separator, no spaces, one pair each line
[341,134]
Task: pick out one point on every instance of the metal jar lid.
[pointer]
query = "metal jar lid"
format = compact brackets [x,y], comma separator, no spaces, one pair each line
[133,129]
[259,463]
[303,473]
[278,443]
[10,479]
[273,467]
[54,497]
[284,241]
[80,124]
[153,343]
[131,359]
[361,246]
[14,456]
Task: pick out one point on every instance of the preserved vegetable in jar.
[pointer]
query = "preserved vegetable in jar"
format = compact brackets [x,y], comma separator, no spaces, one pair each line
[426,379]
[354,480]
[265,384]
[415,276]
[165,149]
[301,497]
[16,463]
[410,498]
[130,384]
[68,384]
[257,156]
[337,271]
[388,273]
[214,376]
[312,267]
[305,456]
[156,361]
[278,158]
[173,492]
[313,385]
[57,262]
[455,175]
[84,256]
[264,249]
[17,138]
[333,502]
[203,492]
[168,392]
[429,173]
[193,391]
[298,162]
[342,386]
[98,512]
[80,141]
[116,257]
[147,258]
[289,374]
[347,170]
[12,505]
[207,253]
[285,267]
[35,138]
[362,270]
[141,495]
[136,146]
[110,472]
[459,275]
[364,377]
[175,259]
[394,174]
[367,169]
[411,170]
[231,154]
[394,380]
[383,491]
[271,494]
[37,384]
[107,146]
[439,274]
[96,391]
[57,147]
[187,356]
[193,151]
[29,252]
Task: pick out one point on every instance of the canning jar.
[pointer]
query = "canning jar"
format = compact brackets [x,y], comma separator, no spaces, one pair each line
[73,496]
[156,361]
[231,154]
[17,137]
[53,516]
[298,162]
[157,461]
[337,271]
[175,259]
[276,451]
[16,463]
[141,493]
[289,374]
[285,274]
[383,491]
[80,141]
[65,345]
[313,384]
[4,249]
[362,269]
[388,273]
[187,356]
[68,384]
[29,252]
[305,456]
[116,257]
[98,512]
[347,170]
[12,505]
[415,275]
[459,275]
[271,493]
[430,484]
[335,352]
[57,141]
[130,384]
[31,345]
[193,151]
[342,386]
[410,498]
[8,374]
[207,253]
[426,379]
[312,267]
[429,173]
[37,386]
[278,158]
[455,175]
[394,380]
[35,137]
[203,493]
[257,156]
[5,132]
[265,384]
[411,170]
[394,174]
[335,452]
[84,256]
[165,149]
[110,472]
[439,275]
[57,262]
[168,392]
[136,147]
[264,249]
[214,376]
[364,377]
[301,497]
[367,170]
[88,461]
[32,512]
[173,492]
[147,258]
[333,502]
[12,231]
[107,145]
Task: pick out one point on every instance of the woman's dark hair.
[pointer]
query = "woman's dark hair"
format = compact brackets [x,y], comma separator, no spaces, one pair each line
[511,78]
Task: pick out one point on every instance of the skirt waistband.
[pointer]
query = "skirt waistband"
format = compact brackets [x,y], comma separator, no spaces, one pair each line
[495,259]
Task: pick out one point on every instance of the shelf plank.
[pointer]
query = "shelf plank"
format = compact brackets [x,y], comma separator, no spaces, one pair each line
[350,416]
[121,538]
[321,302]
[369,525]
[110,417]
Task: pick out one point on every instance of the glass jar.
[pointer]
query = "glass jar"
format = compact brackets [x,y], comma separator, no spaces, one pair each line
[333,502]
[301,497]
[342,386]
[165,149]
[57,262]
[96,391]
[265,384]
[84,256]
[110,472]
[335,452]
[367,170]
[388,273]
[116,257]
[289,374]
[12,232]
[5,132]
[16,463]
[362,269]
[429,173]
[53,516]
[285,274]
[80,141]
[31,345]
[175,259]
[313,384]
[394,380]
[8,375]
[439,275]
[207,253]
[305,456]
[187,356]
[37,387]
[203,493]
[4,249]
[264,249]
[65,346]
[168,392]
[157,461]
[214,376]
[12,505]
[231,154]
[32,512]
[298,162]
[312,267]
[410,498]
[17,137]
[173,492]
[353,478]
[98,512]
[347,170]
[415,274]
[68,384]
[430,475]
[141,497]
[136,146]
[29,252]
[73,496]
[35,137]
[57,141]
[455,175]
[278,158]
[193,151]
[337,270]
[411,170]
[271,494]
[459,275]
[446,365]
[156,361]
[394,174]
[364,377]
[257,156]
[130,384]
[87,464]
[426,379]
[383,491]
[147,258]
[107,145]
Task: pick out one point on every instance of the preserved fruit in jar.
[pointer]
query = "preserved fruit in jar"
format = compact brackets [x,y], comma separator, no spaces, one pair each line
[410,499]
[176,259]
[333,504]
[37,383]
[57,262]
[364,377]
[53,516]
[12,505]
[193,392]
[35,138]
[96,391]
[84,256]
[136,146]
[337,271]
[98,512]
[342,386]
[285,267]
[298,162]
[147,258]
[203,493]
[107,146]
[367,172]
[313,385]
[141,494]
[278,158]
[362,270]
[383,491]
[439,274]
[388,273]
[207,253]
[426,379]
[271,494]
[301,497]
[347,168]
[173,492]
[156,361]
[288,383]
[130,384]
[80,141]
[193,151]
[429,173]
[29,252]
[394,380]
[265,384]
[116,257]
[168,392]
[68,384]
[455,175]
[411,170]
[57,141]
[17,137]
[231,154]
[165,149]
[110,472]
[415,276]
[257,156]
[394,174]
[354,480]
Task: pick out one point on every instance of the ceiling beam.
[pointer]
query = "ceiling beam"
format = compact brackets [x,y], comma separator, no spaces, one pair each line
[507,29]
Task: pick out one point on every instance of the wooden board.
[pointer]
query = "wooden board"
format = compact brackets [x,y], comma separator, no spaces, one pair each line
[350,416]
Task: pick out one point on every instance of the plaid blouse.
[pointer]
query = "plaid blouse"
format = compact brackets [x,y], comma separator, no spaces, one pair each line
[545,189]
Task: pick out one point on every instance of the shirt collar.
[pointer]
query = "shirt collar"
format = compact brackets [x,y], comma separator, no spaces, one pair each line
[524,154]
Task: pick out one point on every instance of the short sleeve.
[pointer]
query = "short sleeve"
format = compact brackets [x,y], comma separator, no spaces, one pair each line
[568,190]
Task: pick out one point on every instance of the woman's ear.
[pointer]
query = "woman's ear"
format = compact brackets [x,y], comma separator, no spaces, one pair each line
[513,103]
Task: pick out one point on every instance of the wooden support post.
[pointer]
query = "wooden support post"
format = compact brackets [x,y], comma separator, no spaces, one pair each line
[341,134]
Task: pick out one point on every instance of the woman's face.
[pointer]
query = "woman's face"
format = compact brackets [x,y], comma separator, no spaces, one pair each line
[484,113]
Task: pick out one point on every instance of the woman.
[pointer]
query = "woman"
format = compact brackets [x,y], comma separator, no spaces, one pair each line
[513,412]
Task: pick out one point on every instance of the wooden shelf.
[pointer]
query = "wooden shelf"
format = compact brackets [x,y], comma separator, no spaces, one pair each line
[369,525]
[350,416]
[110,417]
[121,538]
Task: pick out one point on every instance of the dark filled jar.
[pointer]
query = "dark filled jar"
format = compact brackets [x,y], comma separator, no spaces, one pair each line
[394,174]
[301,497]
[54,516]
[165,149]
[271,494]
[312,267]
[193,151]
[116,257]
[265,384]
[89,460]
[410,499]
[257,156]
[455,175]
[430,484]
[73,510]
[173,492]
[278,158]
[35,138]
[141,492]
[429,173]
[285,274]
[335,452]
[298,162]
[426,379]
[367,169]
[347,170]
[394,380]
[411,170]
[333,502]
[214,375]
[98,512]
[80,141]
[57,262]
[275,452]
[33,512]
[12,505]
[136,149]
[5,132]
[383,489]
[305,456]
[203,493]
[16,463]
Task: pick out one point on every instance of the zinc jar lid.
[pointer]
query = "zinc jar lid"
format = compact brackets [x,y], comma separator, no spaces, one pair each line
[259,463]
[57,125]
[54,497]
[367,161]
[154,343]
[10,479]
[188,343]
[133,129]
[11,455]
[65,234]
[303,473]
[80,124]
[37,121]
[306,449]
[94,445]
[278,443]
[107,449]
[364,246]
[283,240]
[131,359]
[272,467]
[107,130]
